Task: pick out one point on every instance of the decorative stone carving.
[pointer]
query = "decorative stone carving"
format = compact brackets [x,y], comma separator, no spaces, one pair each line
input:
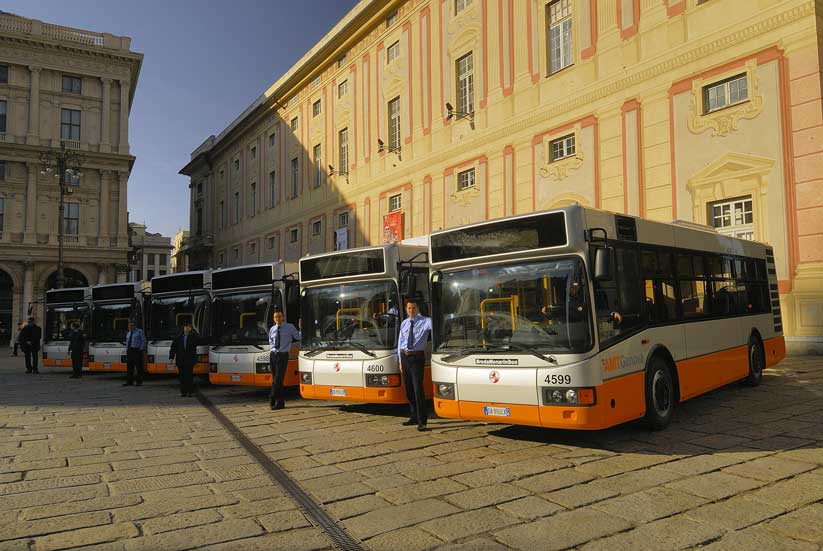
[465,196]
[724,121]
[559,170]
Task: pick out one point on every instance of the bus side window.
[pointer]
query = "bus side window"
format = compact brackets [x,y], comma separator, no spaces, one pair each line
[421,275]
[658,282]
[292,302]
[621,296]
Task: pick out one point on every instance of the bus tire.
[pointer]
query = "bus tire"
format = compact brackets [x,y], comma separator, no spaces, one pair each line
[660,393]
[757,362]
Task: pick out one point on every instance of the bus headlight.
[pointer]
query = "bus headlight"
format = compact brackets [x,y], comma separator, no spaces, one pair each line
[568,396]
[382,380]
[151,358]
[262,367]
[212,368]
[444,390]
[123,359]
[305,377]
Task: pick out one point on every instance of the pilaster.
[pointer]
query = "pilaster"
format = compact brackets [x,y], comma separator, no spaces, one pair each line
[123,147]
[105,207]
[123,220]
[33,134]
[105,123]
[30,235]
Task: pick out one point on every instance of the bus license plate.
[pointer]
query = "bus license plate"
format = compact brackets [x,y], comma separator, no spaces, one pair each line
[337,391]
[496,412]
[106,366]
[170,367]
[235,377]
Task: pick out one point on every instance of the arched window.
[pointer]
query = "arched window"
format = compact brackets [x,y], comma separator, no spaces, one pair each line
[72,278]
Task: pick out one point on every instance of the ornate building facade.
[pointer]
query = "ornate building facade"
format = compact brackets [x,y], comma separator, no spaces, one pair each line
[414,115]
[73,86]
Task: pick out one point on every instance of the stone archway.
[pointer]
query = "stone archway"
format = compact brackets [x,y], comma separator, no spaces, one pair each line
[72,278]
[6,307]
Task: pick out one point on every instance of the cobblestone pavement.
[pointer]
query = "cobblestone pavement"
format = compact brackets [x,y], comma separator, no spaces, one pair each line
[89,462]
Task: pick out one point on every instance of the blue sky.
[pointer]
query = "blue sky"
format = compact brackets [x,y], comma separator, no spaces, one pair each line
[205,62]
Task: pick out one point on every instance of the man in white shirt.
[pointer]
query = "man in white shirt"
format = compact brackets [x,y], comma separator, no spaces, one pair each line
[411,348]
[281,336]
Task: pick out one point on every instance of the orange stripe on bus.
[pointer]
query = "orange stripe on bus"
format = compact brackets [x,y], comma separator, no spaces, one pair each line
[775,350]
[371,395]
[710,371]
[160,368]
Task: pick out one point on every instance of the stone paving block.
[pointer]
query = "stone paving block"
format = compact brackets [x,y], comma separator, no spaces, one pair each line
[803,524]
[239,472]
[530,507]
[24,466]
[469,523]
[284,520]
[775,443]
[361,464]
[698,464]
[736,513]
[12,530]
[248,509]
[160,482]
[480,544]
[187,538]
[16,545]
[179,521]
[442,470]
[89,538]
[241,485]
[758,539]
[580,495]
[563,530]
[398,516]
[769,469]
[386,482]
[556,480]
[356,506]
[719,441]
[338,493]
[618,464]
[45,497]
[485,496]
[315,472]
[64,472]
[86,506]
[153,509]
[145,472]
[107,458]
[176,493]
[812,454]
[649,505]
[330,481]
[306,539]
[420,490]
[716,485]
[407,539]
[181,456]
[399,467]
[636,481]
[676,532]
[12,477]
[794,492]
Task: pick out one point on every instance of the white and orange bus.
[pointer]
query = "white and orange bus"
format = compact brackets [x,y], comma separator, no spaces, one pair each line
[63,308]
[583,319]
[243,299]
[351,307]
[113,306]
[175,299]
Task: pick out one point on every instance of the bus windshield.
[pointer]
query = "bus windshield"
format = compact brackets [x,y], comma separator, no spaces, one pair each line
[244,318]
[111,322]
[365,314]
[59,320]
[168,314]
[541,305]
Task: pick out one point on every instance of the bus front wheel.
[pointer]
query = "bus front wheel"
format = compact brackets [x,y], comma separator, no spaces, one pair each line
[756,362]
[660,394]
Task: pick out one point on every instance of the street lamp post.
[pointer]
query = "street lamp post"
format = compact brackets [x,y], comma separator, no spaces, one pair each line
[64,164]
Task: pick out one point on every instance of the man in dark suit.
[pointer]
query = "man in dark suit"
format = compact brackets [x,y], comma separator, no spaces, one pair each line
[77,346]
[30,338]
[184,352]
[135,346]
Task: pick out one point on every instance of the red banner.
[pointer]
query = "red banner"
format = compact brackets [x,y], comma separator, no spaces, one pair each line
[393,227]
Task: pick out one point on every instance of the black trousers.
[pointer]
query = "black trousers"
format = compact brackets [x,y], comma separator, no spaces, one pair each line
[279,362]
[413,367]
[186,374]
[77,364]
[16,346]
[134,365]
[31,360]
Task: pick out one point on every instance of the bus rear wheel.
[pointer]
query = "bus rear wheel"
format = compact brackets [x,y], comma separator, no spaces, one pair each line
[756,362]
[660,394]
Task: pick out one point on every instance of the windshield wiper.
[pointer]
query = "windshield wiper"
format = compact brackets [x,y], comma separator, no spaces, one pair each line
[320,349]
[361,348]
[337,345]
[532,351]
[462,353]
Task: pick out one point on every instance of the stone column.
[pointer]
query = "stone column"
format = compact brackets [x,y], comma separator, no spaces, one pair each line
[124,117]
[123,212]
[105,124]
[30,235]
[33,134]
[28,287]
[105,198]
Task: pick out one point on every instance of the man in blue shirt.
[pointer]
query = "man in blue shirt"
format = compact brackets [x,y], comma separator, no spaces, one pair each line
[411,347]
[135,346]
[184,352]
[281,337]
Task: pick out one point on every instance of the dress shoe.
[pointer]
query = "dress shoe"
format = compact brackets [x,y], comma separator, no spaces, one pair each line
[139,383]
[409,423]
[128,384]
[421,427]
[28,371]
[277,406]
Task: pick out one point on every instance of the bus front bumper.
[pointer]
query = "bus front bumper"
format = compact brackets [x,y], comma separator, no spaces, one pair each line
[370,395]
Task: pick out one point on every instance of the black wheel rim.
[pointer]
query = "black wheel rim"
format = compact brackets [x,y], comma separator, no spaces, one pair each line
[661,393]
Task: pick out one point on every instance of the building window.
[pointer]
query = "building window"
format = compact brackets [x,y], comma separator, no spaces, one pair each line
[72,85]
[342,89]
[236,254]
[253,198]
[391,19]
[253,247]
[465,179]
[393,52]
[71,219]
[723,94]
[734,218]
[199,220]
[222,209]
[161,259]
[316,81]
[315,108]
[2,214]
[237,165]
[560,35]
[316,228]
[272,139]
[343,220]
[70,124]
[395,202]
[341,61]
[222,175]
[293,236]
[343,146]
[220,258]
[394,124]
[4,74]
[150,259]
[275,193]
[2,117]
[460,5]
[294,124]
[562,148]
[236,207]
[200,187]
[295,177]
[318,166]
[253,153]
[465,84]
[2,170]
[270,242]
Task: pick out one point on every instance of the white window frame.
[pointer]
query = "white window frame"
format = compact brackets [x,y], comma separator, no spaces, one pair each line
[342,89]
[294,124]
[728,217]
[343,150]
[392,52]
[726,93]
[294,237]
[466,179]
[68,228]
[67,129]
[394,123]
[295,177]
[343,220]
[316,109]
[460,5]
[560,35]
[72,80]
[464,68]
[562,148]
[396,202]
[317,155]
[316,228]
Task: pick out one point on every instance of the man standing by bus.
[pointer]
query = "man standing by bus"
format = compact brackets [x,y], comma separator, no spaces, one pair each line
[135,345]
[77,345]
[281,337]
[411,348]
[184,352]
[30,338]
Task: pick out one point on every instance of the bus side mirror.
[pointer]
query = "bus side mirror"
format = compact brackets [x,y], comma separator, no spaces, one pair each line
[292,294]
[408,284]
[602,266]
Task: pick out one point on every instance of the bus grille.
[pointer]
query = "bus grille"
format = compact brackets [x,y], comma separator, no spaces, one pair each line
[774,293]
